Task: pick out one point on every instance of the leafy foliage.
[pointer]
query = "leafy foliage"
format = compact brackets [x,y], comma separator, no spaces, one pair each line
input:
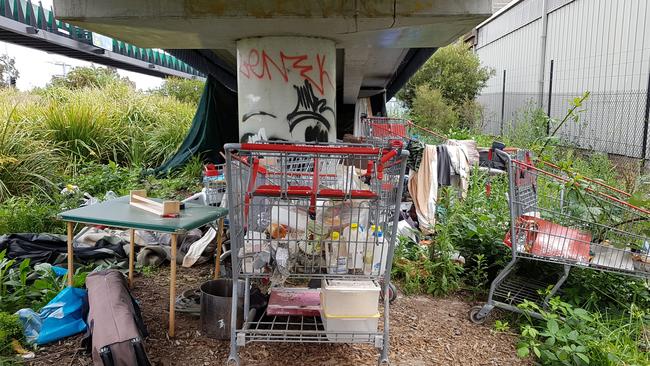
[569,335]
[185,90]
[10,328]
[89,77]
[431,111]
[8,70]
[425,270]
[454,70]
[441,94]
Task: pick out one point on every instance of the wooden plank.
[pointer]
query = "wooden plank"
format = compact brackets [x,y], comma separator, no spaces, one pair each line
[131,255]
[217,266]
[70,254]
[172,288]
[138,199]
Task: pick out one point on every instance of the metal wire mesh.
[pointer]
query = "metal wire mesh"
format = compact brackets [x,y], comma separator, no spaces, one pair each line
[557,219]
[286,202]
[611,122]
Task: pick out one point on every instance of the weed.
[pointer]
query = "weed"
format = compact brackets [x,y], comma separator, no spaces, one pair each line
[10,329]
[501,326]
[569,335]
[147,270]
[477,279]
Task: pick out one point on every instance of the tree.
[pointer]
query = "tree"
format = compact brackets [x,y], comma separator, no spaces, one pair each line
[8,70]
[90,77]
[185,90]
[454,70]
[430,110]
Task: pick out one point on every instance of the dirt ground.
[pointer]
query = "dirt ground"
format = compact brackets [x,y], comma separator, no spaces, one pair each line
[424,331]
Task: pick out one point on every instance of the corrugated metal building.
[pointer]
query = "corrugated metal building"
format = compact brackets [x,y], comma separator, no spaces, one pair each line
[601,46]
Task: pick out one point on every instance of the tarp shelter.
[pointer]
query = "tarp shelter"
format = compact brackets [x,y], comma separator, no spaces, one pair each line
[214,124]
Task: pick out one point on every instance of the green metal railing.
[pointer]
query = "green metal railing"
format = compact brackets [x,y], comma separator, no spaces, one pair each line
[43,19]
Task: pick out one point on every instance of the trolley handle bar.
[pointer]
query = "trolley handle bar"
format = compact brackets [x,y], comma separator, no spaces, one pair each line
[620,191]
[358,150]
[590,190]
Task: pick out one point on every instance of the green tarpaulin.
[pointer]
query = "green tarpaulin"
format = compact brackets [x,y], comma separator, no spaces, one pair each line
[214,124]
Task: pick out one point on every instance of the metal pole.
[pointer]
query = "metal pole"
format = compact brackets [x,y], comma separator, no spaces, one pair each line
[550,95]
[503,100]
[645,125]
[542,55]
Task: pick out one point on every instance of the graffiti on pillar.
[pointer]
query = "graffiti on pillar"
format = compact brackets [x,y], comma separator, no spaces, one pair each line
[310,109]
[288,90]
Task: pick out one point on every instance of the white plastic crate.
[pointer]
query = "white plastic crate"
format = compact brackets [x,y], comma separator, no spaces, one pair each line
[347,298]
[338,328]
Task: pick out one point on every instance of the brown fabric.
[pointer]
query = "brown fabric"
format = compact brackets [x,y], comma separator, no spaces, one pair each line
[111,317]
[423,187]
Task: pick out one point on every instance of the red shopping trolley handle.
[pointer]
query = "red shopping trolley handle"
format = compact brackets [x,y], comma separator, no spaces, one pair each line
[323,149]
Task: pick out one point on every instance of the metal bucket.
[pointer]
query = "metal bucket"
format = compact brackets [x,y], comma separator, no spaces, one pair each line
[216,306]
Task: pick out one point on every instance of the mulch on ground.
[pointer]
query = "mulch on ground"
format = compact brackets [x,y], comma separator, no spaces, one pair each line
[424,331]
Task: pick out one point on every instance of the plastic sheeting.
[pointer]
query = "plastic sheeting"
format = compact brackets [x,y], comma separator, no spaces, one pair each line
[62,317]
[47,248]
[214,124]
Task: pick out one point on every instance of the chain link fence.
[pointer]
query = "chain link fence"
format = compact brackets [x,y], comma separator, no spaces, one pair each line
[610,122]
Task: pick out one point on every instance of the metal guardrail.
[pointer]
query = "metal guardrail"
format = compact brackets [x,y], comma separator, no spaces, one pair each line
[16,13]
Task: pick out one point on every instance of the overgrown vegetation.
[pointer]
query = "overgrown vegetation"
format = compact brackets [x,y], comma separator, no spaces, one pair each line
[601,318]
[442,93]
[92,116]
[570,335]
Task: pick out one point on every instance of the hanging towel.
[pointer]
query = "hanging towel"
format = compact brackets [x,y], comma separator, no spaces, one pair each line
[423,187]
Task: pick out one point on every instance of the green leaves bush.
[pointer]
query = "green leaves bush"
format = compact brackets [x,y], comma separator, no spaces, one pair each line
[10,329]
[441,94]
[569,335]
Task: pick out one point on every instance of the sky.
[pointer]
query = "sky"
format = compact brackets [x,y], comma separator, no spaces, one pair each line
[37,67]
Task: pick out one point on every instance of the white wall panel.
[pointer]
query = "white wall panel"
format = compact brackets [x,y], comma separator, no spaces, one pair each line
[601,46]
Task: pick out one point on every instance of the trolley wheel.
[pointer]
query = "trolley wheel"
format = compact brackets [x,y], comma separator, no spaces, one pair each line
[232,361]
[392,293]
[383,363]
[474,317]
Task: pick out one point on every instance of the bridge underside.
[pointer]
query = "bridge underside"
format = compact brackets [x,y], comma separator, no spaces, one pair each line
[379,43]
[16,33]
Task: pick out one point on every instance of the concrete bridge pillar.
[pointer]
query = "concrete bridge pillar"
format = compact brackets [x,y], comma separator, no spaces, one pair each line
[287,88]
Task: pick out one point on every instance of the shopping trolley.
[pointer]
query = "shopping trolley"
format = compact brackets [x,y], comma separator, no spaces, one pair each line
[285,204]
[566,222]
[385,131]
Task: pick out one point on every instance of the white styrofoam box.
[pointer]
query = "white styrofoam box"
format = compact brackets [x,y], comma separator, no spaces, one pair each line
[350,298]
[336,328]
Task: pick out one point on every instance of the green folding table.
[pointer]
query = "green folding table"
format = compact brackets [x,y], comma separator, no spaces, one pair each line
[118,213]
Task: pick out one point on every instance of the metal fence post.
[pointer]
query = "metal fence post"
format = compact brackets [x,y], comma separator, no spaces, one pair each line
[503,100]
[550,95]
[644,147]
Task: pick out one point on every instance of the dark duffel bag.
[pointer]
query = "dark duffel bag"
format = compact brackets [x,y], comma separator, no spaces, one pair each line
[115,328]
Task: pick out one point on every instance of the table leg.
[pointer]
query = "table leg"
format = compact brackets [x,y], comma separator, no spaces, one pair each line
[131,255]
[70,254]
[217,265]
[172,288]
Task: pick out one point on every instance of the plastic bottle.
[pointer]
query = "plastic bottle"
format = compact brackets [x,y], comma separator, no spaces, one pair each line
[336,254]
[369,249]
[357,240]
[380,254]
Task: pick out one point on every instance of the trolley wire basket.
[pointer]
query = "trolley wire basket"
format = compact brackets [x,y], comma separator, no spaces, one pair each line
[569,221]
[305,212]
[385,131]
